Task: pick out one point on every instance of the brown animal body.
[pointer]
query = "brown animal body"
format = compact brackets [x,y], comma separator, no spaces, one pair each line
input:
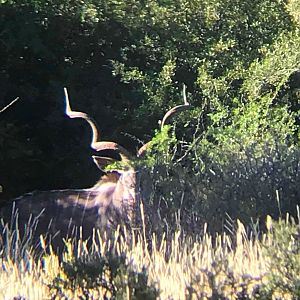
[58,214]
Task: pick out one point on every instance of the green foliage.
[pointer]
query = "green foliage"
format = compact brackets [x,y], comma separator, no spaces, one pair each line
[160,147]
[269,75]
[282,247]
[110,273]
[218,48]
[293,7]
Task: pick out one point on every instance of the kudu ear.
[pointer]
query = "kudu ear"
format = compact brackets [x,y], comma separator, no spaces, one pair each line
[102,162]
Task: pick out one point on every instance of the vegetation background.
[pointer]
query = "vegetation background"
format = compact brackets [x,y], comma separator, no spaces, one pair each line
[234,156]
[124,62]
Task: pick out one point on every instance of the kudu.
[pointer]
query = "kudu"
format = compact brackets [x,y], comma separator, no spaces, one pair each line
[57,214]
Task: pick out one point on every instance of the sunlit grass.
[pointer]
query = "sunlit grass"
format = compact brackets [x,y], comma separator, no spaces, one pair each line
[203,267]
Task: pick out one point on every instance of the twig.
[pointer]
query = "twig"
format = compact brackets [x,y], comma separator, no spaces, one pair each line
[8,105]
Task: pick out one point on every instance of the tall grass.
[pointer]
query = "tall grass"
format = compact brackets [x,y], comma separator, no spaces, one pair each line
[127,265]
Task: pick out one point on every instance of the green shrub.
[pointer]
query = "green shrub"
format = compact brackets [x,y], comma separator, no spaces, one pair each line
[202,187]
[110,274]
[282,250]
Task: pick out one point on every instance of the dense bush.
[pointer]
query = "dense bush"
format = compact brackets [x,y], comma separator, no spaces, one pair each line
[110,273]
[247,184]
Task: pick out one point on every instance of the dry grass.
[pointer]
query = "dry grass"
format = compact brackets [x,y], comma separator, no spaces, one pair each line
[180,269]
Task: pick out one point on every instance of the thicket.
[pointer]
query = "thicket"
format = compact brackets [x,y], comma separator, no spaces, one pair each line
[124,63]
[246,185]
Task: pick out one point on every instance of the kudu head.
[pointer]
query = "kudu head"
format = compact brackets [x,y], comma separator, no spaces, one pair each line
[114,200]
[117,188]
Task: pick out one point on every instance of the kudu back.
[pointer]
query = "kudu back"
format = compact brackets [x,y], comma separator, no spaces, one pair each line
[57,214]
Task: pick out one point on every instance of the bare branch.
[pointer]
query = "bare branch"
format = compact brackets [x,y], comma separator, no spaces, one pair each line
[8,105]
[184,94]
